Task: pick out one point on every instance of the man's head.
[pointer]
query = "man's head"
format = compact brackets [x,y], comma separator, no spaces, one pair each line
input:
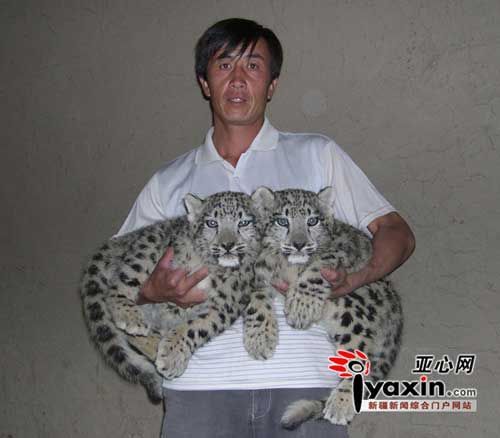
[237,65]
[236,33]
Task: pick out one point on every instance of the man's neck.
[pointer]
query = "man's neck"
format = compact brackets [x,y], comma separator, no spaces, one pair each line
[233,140]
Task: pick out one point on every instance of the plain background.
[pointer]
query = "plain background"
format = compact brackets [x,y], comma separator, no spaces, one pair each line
[96,95]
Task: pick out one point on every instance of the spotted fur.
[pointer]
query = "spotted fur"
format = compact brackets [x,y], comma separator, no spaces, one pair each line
[144,343]
[301,236]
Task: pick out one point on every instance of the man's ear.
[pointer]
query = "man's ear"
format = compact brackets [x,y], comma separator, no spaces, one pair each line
[204,87]
[271,89]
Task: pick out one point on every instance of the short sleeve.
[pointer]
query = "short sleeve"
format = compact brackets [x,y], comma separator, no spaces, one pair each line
[357,201]
[146,210]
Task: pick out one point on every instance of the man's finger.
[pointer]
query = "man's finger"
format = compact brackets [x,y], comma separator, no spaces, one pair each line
[192,297]
[193,279]
[281,286]
[167,258]
[175,278]
[331,275]
[340,291]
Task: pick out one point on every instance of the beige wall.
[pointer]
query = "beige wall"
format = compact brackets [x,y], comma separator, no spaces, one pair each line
[95,95]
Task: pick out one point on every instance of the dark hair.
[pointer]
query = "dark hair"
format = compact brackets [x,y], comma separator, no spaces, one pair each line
[232,33]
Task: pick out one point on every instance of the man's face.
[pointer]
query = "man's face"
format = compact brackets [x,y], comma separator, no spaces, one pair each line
[239,86]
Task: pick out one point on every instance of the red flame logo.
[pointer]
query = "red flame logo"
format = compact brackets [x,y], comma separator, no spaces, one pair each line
[348,364]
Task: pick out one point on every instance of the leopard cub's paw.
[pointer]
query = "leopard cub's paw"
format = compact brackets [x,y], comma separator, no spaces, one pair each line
[173,356]
[260,338]
[132,322]
[339,408]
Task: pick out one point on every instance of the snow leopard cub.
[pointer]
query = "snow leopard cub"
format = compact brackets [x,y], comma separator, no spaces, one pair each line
[219,232]
[301,236]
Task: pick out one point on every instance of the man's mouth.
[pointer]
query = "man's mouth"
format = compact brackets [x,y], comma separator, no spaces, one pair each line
[237,99]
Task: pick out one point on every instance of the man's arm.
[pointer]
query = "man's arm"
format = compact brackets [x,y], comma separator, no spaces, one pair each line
[393,242]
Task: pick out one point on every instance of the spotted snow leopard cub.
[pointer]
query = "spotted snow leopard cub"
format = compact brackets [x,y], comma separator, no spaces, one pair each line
[219,232]
[301,236]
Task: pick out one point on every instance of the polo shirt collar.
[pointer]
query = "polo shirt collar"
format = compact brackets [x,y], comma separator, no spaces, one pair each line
[266,140]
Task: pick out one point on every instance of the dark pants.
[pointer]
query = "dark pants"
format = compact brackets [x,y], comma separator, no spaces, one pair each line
[245,414]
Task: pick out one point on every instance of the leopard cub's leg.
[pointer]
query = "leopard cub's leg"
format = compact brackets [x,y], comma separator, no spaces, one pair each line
[127,315]
[260,334]
[261,327]
[339,407]
[351,327]
[174,352]
[179,344]
[134,271]
[305,300]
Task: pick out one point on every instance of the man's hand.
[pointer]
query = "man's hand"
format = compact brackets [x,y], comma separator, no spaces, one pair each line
[393,242]
[172,284]
[281,286]
[340,281]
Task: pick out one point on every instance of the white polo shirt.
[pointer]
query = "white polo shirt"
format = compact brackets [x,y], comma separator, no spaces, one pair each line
[278,160]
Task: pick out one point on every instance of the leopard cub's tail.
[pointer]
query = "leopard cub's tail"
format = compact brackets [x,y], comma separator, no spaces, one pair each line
[300,411]
[112,342]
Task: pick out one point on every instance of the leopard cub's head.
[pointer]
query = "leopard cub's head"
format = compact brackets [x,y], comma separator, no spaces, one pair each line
[297,221]
[224,227]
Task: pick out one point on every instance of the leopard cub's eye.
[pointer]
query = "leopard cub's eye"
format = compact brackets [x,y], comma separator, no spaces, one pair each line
[312,221]
[244,223]
[282,221]
[211,223]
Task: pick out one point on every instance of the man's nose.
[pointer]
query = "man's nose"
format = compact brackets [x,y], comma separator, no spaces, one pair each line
[238,76]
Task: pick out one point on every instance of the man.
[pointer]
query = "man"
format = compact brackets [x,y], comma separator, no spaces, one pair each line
[224,392]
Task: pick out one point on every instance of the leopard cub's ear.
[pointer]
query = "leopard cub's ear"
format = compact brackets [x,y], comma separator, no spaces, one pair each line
[193,206]
[326,198]
[263,200]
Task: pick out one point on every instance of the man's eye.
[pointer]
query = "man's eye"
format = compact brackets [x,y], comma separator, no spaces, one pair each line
[225,66]
[312,221]
[282,221]
[253,66]
[211,223]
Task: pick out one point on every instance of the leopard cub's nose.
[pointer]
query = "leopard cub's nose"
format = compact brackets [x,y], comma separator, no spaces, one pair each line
[299,245]
[227,246]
